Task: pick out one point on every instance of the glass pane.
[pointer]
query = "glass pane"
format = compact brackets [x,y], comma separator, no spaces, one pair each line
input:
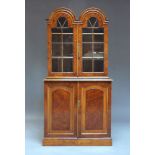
[98,38]
[87,30]
[98,47]
[67,38]
[56,30]
[62,22]
[87,65]
[67,30]
[89,23]
[56,65]
[67,65]
[98,65]
[87,38]
[92,22]
[96,24]
[99,30]
[67,49]
[98,54]
[56,49]
[87,50]
[62,30]
[65,24]
[56,38]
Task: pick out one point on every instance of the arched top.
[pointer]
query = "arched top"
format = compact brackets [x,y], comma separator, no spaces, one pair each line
[93,13]
[61,13]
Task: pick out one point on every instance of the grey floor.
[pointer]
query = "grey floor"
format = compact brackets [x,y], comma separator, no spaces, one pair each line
[34,135]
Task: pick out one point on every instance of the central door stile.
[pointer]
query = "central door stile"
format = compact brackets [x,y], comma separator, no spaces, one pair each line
[80,49]
[75,63]
[77,45]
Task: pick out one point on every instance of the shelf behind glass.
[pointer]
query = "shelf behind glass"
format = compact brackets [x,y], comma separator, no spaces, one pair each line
[62,37]
[93,64]
[62,30]
[62,64]
[90,49]
[93,30]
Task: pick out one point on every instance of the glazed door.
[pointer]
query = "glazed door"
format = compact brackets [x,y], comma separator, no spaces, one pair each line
[62,50]
[92,45]
[93,111]
[60,109]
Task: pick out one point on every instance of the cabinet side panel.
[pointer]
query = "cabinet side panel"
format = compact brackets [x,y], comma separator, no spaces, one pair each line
[109,107]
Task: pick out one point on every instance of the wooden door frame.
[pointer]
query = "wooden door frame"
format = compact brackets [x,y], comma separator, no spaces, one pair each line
[84,17]
[48,89]
[106,88]
[51,23]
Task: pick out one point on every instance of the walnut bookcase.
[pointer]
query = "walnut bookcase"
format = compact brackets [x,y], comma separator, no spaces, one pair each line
[77,90]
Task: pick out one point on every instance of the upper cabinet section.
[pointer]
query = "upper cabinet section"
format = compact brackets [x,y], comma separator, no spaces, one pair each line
[77,47]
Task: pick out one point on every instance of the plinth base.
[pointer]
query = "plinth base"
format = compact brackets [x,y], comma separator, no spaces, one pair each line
[77,142]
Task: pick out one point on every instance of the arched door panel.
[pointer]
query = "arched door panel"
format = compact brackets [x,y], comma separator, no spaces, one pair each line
[60,107]
[93,111]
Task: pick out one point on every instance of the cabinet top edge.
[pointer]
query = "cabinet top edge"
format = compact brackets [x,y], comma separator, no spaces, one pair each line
[78,79]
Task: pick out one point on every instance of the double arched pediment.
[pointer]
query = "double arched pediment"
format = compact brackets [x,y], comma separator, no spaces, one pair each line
[84,17]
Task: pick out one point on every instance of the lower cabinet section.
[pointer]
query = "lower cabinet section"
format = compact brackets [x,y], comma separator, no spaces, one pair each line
[77,113]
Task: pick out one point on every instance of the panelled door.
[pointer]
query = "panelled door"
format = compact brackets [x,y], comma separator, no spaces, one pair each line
[77,109]
[93,111]
[60,109]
